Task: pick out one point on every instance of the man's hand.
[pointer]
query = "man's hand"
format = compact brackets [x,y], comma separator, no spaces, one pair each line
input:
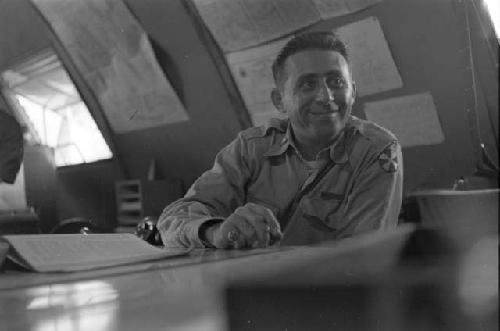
[251,225]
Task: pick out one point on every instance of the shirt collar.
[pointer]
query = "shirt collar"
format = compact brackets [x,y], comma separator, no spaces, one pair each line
[338,149]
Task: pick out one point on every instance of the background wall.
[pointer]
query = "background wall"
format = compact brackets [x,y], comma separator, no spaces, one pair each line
[186,149]
[426,39]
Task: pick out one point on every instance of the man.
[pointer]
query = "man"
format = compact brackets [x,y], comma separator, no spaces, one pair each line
[11,147]
[321,175]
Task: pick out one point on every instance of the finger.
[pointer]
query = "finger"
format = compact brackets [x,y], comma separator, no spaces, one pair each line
[246,230]
[229,236]
[269,217]
[259,224]
[239,242]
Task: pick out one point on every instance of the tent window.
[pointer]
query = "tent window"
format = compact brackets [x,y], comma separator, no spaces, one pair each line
[42,92]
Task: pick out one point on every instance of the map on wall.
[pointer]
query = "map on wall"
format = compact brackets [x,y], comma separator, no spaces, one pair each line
[115,58]
[239,24]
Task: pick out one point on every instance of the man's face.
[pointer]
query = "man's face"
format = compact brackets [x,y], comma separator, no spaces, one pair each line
[317,93]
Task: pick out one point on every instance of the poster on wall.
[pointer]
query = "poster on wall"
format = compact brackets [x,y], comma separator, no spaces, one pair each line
[115,58]
[334,8]
[239,24]
[373,67]
[412,118]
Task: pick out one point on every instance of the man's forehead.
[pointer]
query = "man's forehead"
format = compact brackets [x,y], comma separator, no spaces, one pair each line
[315,61]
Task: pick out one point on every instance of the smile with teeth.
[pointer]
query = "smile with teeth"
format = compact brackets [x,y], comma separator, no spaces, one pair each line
[325,110]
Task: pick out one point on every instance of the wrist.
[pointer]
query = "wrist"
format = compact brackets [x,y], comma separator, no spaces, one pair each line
[207,232]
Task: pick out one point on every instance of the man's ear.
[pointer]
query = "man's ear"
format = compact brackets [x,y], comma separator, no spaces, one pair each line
[354,91]
[277,101]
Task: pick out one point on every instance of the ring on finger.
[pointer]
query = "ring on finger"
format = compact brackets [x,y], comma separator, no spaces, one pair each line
[233,235]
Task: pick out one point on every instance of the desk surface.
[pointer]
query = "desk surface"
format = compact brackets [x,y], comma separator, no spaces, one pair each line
[178,294]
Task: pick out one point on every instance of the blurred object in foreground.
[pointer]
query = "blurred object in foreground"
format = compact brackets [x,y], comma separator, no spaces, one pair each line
[419,283]
[463,216]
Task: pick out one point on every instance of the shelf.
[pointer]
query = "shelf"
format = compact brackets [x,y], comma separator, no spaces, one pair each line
[136,199]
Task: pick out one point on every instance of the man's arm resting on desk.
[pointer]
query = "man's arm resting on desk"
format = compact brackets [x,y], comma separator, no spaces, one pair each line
[251,225]
[215,205]
[248,226]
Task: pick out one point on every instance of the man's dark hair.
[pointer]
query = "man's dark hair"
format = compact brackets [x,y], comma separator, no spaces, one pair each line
[316,40]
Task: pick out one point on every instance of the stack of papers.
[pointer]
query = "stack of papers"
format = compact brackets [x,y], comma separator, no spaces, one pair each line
[76,252]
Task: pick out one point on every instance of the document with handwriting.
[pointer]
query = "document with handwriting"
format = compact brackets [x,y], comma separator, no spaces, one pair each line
[76,252]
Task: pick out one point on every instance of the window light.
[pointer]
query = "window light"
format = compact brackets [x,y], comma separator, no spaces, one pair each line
[42,90]
[493,7]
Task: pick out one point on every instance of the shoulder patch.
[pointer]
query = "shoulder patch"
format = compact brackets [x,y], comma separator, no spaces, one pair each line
[388,159]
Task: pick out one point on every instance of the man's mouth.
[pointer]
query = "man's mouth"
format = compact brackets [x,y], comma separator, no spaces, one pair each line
[324,109]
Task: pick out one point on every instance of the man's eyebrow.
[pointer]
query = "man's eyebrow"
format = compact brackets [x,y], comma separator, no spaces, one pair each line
[334,72]
[308,75]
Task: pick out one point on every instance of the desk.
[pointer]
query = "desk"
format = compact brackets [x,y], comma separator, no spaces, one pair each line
[178,294]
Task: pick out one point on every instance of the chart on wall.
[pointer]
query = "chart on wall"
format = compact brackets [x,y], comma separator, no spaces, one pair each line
[239,24]
[115,58]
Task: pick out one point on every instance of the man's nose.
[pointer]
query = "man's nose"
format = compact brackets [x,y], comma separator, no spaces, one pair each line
[324,94]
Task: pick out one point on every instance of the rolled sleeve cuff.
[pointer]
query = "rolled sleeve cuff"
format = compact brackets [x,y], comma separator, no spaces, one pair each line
[192,231]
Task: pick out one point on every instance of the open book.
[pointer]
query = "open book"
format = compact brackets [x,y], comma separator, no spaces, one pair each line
[75,252]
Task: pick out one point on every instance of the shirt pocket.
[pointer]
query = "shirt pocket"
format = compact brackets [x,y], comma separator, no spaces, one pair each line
[325,212]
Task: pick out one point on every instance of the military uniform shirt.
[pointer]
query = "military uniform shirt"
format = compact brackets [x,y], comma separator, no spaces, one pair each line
[361,189]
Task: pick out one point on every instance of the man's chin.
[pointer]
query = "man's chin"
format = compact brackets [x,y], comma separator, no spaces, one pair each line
[329,125]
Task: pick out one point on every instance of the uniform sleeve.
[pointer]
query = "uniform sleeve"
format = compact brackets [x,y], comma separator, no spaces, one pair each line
[376,197]
[211,198]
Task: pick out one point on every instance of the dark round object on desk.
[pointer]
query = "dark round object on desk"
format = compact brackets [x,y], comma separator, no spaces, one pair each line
[146,230]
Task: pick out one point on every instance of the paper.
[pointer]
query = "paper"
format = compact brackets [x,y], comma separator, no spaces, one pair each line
[252,72]
[373,68]
[413,119]
[75,252]
[334,8]
[238,24]
[112,52]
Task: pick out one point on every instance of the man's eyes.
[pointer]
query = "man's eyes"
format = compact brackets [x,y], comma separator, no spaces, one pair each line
[333,83]
[308,84]
[336,82]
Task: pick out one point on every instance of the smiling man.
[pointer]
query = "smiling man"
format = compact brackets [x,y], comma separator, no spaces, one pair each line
[322,174]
